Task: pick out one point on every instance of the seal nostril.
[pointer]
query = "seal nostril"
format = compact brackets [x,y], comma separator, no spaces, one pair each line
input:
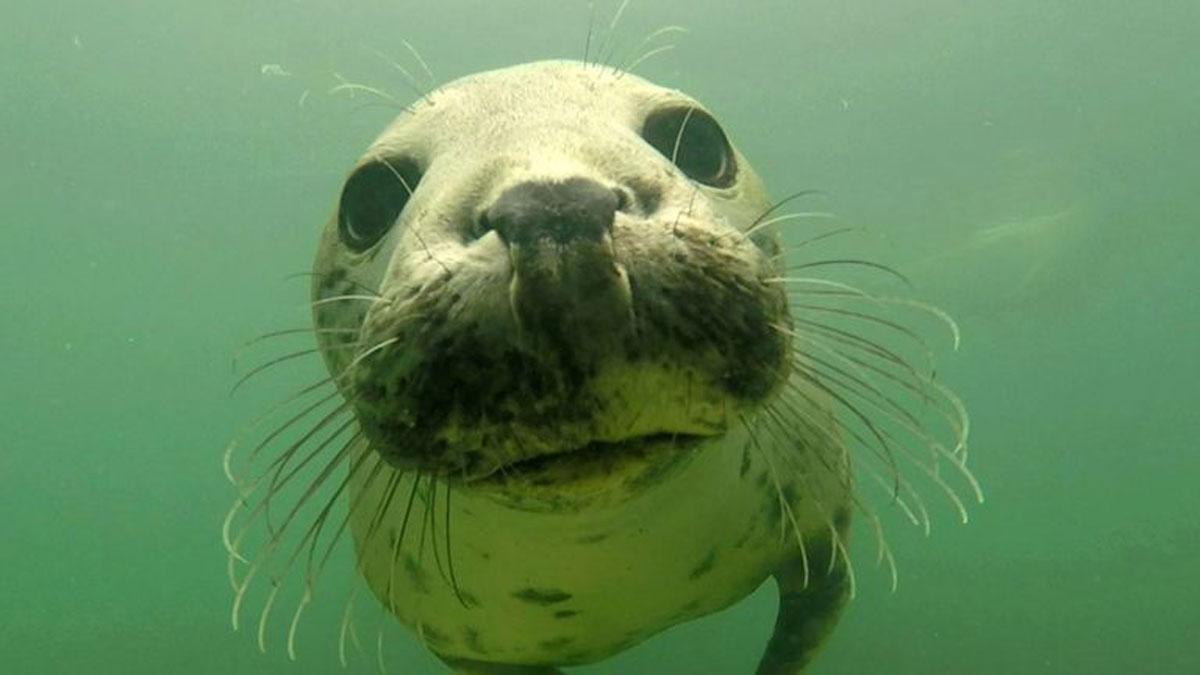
[482,226]
[624,199]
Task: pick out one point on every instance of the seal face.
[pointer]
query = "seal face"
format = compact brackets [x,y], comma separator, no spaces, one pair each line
[553,304]
[547,281]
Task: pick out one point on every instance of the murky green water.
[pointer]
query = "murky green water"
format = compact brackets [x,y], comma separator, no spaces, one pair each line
[1031,165]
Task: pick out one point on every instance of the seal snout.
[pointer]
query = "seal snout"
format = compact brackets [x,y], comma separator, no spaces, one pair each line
[564,270]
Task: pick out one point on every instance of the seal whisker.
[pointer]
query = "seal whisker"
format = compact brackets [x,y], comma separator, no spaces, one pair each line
[297,331]
[262,506]
[610,36]
[320,275]
[344,298]
[384,505]
[917,386]
[279,481]
[237,355]
[785,507]
[891,412]
[406,76]
[354,88]
[273,543]
[373,350]
[347,627]
[312,537]
[273,362]
[804,329]
[414,228]
[679,136]
[287,424]
[795,215]
[905,486]
[450,552]
[837,547]
[905,421]
[379,642]
[311,573]
[433,80]
[665,30]
[398,543]
[587,42]
[850,262]
[431,522]
[799,418]
[902,416]
[861,385]
[855,294]
[885,449]
[766,213]
[822,237]
[869,318]
[427,525]
[311,534]
[262,618]
[931,310]
[227,458]
[645,57]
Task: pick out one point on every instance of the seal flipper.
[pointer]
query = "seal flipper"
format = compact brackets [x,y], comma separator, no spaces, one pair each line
[807,612]
[469,667]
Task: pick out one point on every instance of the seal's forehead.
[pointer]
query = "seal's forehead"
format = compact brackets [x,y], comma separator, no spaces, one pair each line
[544,92]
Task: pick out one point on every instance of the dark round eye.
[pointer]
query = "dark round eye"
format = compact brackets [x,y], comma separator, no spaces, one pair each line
[693,140]
[372,200]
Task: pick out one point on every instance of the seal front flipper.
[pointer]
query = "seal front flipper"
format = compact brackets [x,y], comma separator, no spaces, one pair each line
[807,611]
[469,667]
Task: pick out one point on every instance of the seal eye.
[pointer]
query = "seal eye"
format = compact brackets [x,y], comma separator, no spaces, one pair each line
[693,140]
[372,200]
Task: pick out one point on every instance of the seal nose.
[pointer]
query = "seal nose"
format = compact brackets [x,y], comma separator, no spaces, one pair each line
[561,212]
[567,287]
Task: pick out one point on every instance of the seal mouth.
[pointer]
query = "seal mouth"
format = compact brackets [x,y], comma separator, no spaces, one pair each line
[595,461]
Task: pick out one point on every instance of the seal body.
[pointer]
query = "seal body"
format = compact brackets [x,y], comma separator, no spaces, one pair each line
[551,298]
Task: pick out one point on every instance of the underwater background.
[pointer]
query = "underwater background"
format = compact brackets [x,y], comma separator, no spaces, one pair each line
[1031,165]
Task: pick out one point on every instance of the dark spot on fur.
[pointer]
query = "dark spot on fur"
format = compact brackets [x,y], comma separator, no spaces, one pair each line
[745,467]
[472,640]
[565,613]
[469,599]
[705,565]
[744,539]
[772,508]
[542,596]
[592,538]
[434,636]
[415,574]
[841,518]
[686,612]
[555,644]
[577,658]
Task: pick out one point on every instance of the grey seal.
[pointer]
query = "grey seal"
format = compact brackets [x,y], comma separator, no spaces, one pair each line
[575,399]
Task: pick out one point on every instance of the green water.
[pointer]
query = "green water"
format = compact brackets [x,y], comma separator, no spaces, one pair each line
[1031,164]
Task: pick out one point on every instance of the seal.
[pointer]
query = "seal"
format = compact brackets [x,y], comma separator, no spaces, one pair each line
[578,398]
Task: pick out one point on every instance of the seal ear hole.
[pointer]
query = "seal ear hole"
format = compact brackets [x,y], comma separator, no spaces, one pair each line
[695,142]
[372,200]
